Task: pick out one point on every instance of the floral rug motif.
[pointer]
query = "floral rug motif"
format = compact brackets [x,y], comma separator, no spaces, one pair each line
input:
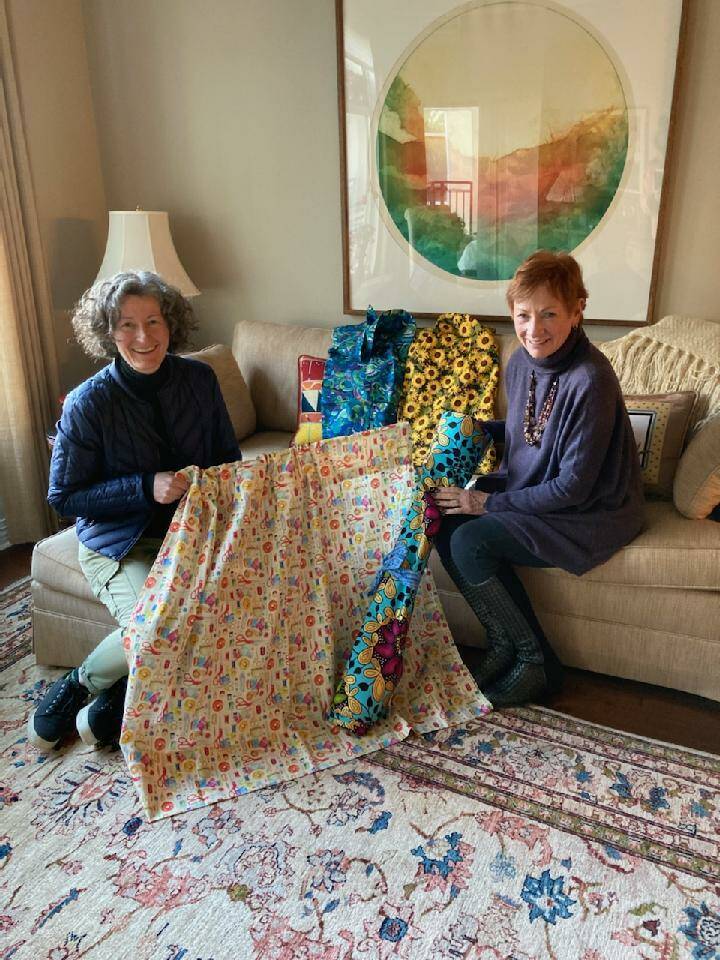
[523,834]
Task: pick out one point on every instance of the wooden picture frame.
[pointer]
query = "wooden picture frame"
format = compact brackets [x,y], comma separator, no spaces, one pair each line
[456,161]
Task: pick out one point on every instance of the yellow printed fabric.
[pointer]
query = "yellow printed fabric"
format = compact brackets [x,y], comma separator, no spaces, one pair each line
[451,366]
[256,597]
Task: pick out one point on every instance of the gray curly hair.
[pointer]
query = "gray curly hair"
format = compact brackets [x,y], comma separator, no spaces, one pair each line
[98,311]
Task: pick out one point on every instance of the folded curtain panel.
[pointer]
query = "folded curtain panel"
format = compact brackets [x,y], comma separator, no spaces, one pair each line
[376,663]
[364,372]
[252,606]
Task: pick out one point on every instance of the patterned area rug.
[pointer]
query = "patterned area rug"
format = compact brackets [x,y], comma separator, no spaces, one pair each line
[524,834]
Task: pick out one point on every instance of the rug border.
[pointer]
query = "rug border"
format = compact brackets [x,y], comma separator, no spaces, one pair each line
[625,733]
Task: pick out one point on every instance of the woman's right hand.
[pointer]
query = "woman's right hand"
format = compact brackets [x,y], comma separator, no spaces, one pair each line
[458,500]
[169,486]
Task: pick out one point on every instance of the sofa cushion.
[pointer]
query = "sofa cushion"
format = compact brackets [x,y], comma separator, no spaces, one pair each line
[267,355]
[265,441]
[677,353]
[685,613]
[55,564]
[672,551]
[232,386]
[660,423]
[696,491]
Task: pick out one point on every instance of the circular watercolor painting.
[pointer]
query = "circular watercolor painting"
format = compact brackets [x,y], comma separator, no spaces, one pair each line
[505,130]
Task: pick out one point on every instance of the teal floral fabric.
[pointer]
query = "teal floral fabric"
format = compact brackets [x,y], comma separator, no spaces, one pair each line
[364,373]
[375,664]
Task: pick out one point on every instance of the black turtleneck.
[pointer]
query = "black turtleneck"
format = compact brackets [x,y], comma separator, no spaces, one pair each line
[145,386]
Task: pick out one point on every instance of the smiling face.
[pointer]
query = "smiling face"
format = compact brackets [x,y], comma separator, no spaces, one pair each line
[141,333]
[543,322]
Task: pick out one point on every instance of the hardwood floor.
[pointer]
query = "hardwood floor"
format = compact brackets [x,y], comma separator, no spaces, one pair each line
[623,704]
[655,712]
[14,563]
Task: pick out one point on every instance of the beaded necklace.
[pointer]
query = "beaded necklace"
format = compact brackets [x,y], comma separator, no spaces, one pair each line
[533,429]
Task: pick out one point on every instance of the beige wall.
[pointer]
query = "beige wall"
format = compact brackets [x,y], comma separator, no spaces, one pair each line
[223,112]
[689,274]
[227,118]
[48,41]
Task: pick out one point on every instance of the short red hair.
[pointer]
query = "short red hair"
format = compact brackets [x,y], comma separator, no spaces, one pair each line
[559,272]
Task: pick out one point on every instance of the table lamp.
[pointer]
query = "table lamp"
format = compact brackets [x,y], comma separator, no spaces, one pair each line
[140,240]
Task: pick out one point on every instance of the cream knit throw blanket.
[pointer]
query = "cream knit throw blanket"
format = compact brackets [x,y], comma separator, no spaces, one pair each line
[677,353]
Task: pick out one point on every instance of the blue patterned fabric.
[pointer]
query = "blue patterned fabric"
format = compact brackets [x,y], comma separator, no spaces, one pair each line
[364,373]
[375,665]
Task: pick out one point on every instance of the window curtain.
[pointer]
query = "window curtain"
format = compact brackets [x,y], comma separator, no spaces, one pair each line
[29,387]
[4,542]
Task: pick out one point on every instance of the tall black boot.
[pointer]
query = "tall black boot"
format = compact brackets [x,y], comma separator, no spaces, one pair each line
[499,656]
[525,680]
[554,670]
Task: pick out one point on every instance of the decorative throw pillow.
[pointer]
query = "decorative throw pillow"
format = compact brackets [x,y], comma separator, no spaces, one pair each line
[310,377]
[232,386]
[660,423]
[696,490]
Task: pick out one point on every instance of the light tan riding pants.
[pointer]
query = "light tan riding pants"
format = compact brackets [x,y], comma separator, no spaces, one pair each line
[117,583]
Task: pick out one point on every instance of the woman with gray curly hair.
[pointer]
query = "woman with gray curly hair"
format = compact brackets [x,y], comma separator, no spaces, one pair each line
[98,311]
[123,438]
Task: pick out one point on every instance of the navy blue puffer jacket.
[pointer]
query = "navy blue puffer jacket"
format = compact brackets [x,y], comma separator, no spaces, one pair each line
[106,442]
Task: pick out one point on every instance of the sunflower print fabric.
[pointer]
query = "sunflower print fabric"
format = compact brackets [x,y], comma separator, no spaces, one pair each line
[451,366]
[376,661]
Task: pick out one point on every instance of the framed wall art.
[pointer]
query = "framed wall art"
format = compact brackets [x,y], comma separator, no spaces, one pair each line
[473,134]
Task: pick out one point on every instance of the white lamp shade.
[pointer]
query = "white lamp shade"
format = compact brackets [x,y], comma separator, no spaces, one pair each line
[140,240]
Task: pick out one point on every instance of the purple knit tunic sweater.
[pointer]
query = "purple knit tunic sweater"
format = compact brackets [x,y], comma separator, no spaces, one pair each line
[576,497]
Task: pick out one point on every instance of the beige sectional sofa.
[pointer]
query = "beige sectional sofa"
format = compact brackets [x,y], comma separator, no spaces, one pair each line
[651,613]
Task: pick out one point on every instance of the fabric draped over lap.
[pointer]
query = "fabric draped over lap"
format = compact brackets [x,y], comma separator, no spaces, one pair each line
[364,373]
[453,365]
[255,598]
[375,668]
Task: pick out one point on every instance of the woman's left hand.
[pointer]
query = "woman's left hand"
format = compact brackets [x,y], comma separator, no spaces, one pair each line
[458,500]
